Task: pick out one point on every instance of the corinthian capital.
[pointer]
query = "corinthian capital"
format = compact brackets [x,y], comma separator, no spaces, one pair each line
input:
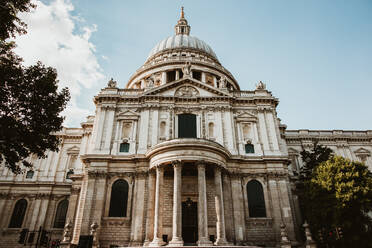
[177,164]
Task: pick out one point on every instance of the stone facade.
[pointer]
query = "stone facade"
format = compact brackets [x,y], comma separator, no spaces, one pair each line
[135,137]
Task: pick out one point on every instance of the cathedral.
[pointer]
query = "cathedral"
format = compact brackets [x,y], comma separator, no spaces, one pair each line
[179,156]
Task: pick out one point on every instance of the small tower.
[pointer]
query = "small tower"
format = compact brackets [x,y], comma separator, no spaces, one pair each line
[182,27]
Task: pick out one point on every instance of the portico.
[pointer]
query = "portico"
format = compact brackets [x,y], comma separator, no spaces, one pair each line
[194,169]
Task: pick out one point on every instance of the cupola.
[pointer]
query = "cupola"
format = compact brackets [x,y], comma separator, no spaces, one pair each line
[182,27]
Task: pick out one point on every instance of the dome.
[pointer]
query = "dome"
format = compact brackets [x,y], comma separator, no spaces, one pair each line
[182,41]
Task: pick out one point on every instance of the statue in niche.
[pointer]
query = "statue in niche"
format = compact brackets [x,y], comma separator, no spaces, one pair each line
[223,82]
[111,83]
[150,82]
[187,91]
[187,69]
[261,86]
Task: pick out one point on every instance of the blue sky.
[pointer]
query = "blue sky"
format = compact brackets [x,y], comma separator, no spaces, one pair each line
[315,56]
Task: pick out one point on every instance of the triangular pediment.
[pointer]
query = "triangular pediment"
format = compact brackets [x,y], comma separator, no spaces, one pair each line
[292,151]
[73,150]
[362,151]
[127,114]
[246,116]
[192,88]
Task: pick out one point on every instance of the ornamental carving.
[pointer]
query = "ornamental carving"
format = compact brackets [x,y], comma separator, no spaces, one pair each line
[187,91]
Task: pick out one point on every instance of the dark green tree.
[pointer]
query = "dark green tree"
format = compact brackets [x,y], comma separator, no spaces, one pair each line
[342,192]
[311,160]
[10,23]
[335,196]
[30,103]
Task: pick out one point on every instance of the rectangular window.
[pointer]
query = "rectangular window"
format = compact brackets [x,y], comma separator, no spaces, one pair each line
[171,76]
[29,174]
[124,147]
[249,148]
[196,75]
[187,126]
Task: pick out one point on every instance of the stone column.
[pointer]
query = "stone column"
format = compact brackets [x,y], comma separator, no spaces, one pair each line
[202,208]
[164,77]
[177,205]
[203,77]
[150,209]
[220,225]
[158,239]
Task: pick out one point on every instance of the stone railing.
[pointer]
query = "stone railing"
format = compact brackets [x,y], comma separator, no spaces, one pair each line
[244,93]
[130,92]
[346,133]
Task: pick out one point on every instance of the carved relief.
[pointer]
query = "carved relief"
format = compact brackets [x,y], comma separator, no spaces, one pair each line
[187,91]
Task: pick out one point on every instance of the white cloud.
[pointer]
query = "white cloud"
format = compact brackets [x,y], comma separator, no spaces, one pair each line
[54,39]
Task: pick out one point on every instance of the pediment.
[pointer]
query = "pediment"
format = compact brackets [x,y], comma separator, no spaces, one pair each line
[246,116]
[73,150]
[292,151]
[127,114]
[362,151]
[186,87]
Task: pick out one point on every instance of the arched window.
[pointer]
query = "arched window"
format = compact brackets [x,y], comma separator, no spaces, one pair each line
[60,218]
[18,214]
[256,199]
[119,199]
[211,130]
[249,148]
[124,147]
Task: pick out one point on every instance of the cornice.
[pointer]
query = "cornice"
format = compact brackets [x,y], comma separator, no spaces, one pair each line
[34,184]
[266,103]
[260,159]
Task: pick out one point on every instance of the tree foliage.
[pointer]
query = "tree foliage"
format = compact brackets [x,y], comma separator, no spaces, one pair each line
[313,158]
[335,198]
[30,103]
[10,23]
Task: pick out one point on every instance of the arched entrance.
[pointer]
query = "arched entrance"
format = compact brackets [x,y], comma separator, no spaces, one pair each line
[189,222]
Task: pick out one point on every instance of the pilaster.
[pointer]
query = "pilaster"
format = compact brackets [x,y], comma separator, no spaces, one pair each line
[139,210]
[220,225]
[150,208]
[238,209]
